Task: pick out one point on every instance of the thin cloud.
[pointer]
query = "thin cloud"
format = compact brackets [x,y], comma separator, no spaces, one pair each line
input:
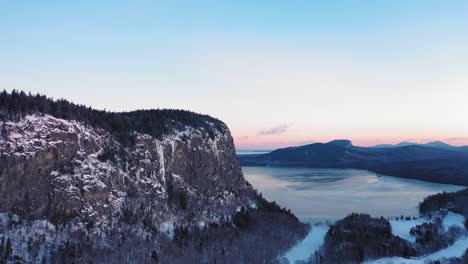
[276,130]
[456,138]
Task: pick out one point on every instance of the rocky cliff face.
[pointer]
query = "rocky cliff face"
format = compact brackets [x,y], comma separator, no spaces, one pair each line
[57,169]
[56,173]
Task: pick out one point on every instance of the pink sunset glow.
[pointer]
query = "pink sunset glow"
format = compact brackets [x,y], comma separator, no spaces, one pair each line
[281,141]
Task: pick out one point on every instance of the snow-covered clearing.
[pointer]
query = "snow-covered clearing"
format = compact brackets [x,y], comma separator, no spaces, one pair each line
[312,242]
[452,219]
[402,228]
[309,245]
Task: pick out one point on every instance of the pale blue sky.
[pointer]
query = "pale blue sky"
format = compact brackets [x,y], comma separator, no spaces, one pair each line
[372,71]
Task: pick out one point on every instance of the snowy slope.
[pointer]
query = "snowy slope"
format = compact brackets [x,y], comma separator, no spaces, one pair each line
[456,250]
[309,245]
[74,182]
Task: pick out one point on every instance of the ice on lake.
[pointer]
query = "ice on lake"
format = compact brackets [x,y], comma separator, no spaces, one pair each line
[326,194]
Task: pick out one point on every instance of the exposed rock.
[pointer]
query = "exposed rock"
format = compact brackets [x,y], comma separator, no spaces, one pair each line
[79,185]
[53,168]
[56,173]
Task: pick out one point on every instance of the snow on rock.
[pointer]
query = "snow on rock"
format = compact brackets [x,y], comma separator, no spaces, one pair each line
[86,177]
[70,153]
[64,171]
[162,170]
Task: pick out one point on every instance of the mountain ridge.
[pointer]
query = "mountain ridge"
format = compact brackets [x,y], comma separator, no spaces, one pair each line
[409,161]
[433,144]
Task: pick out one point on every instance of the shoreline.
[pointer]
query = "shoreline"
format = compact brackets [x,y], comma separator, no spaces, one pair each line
[378,174]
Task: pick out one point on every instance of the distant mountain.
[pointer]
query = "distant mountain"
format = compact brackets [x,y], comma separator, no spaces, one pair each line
[423,162]
[433,144]
[401,144]
[443,145]
[341,143]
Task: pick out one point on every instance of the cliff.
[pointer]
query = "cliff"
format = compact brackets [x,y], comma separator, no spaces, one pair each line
[58,169]
[155,186]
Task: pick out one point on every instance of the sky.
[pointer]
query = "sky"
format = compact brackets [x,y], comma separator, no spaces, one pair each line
[278,73]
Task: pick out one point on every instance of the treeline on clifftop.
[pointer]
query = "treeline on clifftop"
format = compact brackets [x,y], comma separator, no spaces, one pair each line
[156,122]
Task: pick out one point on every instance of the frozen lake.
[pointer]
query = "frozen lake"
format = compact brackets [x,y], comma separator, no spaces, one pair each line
[328,194]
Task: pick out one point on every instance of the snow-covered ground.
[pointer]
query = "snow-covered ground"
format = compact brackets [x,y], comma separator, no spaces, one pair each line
[309,245]
[313,241]
[455,250]
[402,228]
[452,219]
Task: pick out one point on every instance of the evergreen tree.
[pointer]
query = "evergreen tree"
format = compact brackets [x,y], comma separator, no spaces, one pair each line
[154,256]
[3,132]
[2,245]
[8,249]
